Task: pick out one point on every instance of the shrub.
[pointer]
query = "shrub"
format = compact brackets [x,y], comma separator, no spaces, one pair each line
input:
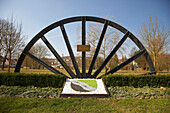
[139,93]
[29,92]
[49,80]
[137,80]
[38,80]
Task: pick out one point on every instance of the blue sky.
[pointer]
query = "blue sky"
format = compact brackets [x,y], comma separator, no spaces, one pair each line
[37,14]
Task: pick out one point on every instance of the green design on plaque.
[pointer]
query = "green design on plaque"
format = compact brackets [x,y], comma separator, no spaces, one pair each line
[91,83]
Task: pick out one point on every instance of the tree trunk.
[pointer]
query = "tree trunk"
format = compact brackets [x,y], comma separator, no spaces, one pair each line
[9,61]
[5,57]
[157,66]
[155,62]
[104,60]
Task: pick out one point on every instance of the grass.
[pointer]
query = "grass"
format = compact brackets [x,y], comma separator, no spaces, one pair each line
[46,71]
[91,83]
[82,105]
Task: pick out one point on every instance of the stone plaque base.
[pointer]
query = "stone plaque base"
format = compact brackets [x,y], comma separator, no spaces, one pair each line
[75,88]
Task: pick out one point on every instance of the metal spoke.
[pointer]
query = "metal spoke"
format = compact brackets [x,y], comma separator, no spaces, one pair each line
[98,48]
[70,50]
[43,63]
[111,54]
[58,57]
[148,59]
[127,61]
[83,43]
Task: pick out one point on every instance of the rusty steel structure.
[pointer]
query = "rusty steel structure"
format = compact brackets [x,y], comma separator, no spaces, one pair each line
[78,74]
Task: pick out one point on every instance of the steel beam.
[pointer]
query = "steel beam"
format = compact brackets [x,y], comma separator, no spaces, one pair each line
[148,59]
[141,47]
[111,54]
[43,63]
[70,72]
[70,50]
[98,48]
[127,62]
[83,43]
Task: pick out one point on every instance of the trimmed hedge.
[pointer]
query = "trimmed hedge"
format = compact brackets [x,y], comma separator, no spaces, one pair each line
[37,80]
[137,81]
[49,80]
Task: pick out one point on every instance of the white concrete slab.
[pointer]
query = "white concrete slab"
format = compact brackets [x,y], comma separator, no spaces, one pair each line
[68,90]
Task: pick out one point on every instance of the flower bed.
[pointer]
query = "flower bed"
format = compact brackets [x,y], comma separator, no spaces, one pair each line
[115,92]
[139,93]
[29,92]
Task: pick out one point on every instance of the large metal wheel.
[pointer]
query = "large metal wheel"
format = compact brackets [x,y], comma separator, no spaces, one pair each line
[83,19]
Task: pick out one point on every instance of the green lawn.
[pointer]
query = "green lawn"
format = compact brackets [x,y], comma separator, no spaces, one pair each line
[91,83]
[46,71]
[82,105]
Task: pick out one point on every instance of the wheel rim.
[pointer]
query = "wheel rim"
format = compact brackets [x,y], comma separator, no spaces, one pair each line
[83,19]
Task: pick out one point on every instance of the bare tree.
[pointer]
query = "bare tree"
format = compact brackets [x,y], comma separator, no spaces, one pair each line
[155,38]
[12,39]
[110,39]
[3,50]
[38,50]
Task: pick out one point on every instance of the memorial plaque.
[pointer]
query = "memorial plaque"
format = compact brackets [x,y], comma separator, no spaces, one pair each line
[84,88]
[83,48]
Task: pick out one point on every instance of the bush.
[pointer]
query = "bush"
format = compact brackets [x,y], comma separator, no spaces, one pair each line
[137,81]
[49,80]
[37,80]
[139,93]
[29,92]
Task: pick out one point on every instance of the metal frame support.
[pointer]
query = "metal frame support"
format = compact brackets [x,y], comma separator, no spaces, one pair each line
[58,57]
[111,54]
[70,50]
[126,62]
[83,43]
[43,63]
[83,19]
[98,48]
